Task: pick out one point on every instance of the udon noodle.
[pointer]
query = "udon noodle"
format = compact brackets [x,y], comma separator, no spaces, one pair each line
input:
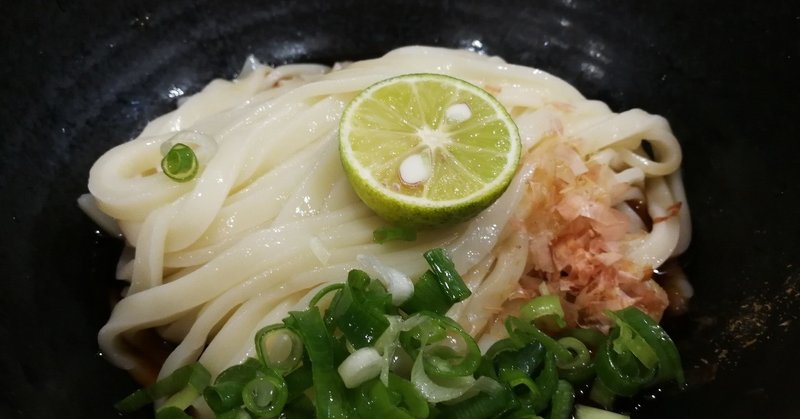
[271,217]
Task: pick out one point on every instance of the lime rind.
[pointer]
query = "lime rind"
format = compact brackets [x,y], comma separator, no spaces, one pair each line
[473,164]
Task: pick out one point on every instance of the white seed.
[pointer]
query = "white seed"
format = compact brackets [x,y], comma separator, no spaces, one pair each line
[415,169]
[459,112]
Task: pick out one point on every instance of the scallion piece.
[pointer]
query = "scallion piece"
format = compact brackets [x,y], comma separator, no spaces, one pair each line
[592,338]
[329,390]
[390,233]
[279,348]
[225,396]
[621,373]
[588,412]
[428,296]
[181,388]
[580,368]
[486,404]
[451,282]
[171,412]
[226,393]
[362,365]
[524,332]
[561,405]
[400,400]
[323,292]
[669,360]
[525,360]
[299,380]
[360,310]
[447,350]
[265,395]
[180,163]
[543,306]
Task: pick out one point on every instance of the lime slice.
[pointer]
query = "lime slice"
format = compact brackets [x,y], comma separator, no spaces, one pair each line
[427,149]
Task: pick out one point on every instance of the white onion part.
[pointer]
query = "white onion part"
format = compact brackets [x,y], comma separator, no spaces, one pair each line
[588,412]
[360,366]
[398,284]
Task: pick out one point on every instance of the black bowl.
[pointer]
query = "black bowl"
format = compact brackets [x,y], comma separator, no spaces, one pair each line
[79,77]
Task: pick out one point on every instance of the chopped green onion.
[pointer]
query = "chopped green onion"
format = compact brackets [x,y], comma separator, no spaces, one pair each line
[389,233]
[180,163]
[299,380]
[526,389]
[669,360]
[398,284]
[323,292]
[223,397]
[525,360]
[580,368]
[265,395]
[226,393]
[544,306]
[592,338]
[621,373]
[361,366]
[428,296]
[547,381]
[360,311]
[397,400]
[182,387]
[446,349]
[441,391]
[451,282]
[491,403]
[304,366]
[279,348]
[328,387]
[524,332]
[561,406]
[588,412]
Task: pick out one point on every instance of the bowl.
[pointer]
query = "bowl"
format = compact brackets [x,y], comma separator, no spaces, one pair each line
[80,77]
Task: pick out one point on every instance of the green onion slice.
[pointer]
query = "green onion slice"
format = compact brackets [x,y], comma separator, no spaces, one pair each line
[265,395]
[669,360]
[279,348]
[544,306]
[492,401]
[180,163]
[397,400]
[449,279]
[427,296]
[445,348]
[390,233]
[181,388]
[360,311]
[561,405]
[320,346]
[323,292]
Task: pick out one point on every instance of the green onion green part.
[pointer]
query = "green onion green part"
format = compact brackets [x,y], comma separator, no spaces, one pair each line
[391,233]
[180,163]
[279,348]
[451,282]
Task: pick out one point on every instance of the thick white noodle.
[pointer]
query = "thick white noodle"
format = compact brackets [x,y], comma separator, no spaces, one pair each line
[271,216]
